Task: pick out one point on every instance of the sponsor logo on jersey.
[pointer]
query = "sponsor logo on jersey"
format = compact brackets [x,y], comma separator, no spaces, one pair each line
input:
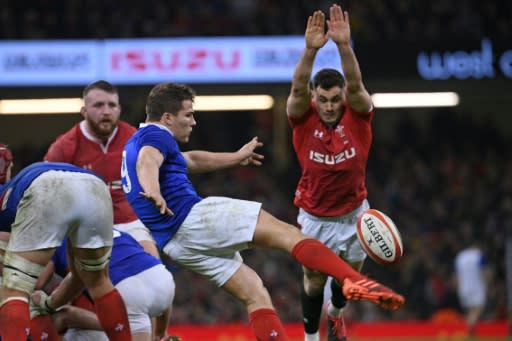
[332,159]
[318,134]
[339,130]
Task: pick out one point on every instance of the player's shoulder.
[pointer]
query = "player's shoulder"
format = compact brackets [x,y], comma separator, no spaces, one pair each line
[69,135]
[64,146]
[307,119]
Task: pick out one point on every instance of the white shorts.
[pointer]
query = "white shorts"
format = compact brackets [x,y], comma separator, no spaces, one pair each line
[209,240]
[472,299]
[60,204]
[136,229]
[337,233]
[147,294]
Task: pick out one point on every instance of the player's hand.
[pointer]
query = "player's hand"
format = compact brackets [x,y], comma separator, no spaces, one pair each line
[249,157]
[315,35]
[158,201]
[338,25]
[40,304]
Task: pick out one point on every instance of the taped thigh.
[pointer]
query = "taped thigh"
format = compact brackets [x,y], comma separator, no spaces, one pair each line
[20,273]
[93,264]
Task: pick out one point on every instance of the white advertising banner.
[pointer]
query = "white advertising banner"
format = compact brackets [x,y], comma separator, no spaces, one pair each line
[207,60]
[48,62]
[149,61]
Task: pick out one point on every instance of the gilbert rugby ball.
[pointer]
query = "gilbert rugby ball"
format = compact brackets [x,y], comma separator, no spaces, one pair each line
[379,237]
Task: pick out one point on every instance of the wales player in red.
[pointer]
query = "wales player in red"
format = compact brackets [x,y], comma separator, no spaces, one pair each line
[330,118]
[96,143]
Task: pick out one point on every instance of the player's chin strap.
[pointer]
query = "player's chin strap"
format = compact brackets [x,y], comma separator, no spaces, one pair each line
[93,264]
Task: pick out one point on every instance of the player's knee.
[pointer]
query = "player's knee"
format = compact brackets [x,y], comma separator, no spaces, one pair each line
[260,297]
[93,265]
[255,293]
[20,273]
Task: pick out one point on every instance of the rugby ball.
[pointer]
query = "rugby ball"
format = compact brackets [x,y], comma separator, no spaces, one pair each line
[379,237]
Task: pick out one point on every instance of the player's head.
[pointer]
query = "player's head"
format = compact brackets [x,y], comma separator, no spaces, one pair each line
[5,163]
[328,88]
[101,109]
[172,105]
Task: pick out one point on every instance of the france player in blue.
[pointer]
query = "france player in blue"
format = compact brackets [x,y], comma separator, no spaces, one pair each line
[142,280]
[40,207]
[206,234]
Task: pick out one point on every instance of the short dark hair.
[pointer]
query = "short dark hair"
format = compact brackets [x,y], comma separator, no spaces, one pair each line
[328,78]
[101,85]
[167,97]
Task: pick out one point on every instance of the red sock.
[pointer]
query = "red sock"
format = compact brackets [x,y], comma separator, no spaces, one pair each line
[14,320]
[316,256]
[42,328]
[267,326]
[111,312]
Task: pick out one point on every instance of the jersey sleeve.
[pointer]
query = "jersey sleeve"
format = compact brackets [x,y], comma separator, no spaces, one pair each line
[55,153]
[158,139]
[63,148]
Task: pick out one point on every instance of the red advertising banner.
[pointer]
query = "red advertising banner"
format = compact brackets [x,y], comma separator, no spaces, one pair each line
[404,330]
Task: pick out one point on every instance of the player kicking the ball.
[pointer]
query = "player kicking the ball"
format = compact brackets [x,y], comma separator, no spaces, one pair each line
[206,234]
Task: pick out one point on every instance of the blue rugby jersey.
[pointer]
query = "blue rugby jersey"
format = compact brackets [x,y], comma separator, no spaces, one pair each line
[175,185]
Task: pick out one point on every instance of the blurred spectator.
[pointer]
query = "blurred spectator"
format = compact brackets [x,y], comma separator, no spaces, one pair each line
[384,20]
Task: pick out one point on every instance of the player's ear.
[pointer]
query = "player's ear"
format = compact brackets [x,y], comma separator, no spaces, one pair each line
[82,111]
[167,118]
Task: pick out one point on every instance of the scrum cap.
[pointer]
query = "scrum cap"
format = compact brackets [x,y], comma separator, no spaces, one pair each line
[5,162]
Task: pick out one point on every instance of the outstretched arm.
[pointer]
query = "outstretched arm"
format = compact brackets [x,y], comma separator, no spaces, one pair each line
[315,37]
[339,31]
[199,161]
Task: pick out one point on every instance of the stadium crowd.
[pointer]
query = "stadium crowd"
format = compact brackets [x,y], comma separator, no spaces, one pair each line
[372,20]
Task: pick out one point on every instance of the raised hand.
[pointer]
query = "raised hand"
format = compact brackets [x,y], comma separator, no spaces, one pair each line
[338,25]
[315,35]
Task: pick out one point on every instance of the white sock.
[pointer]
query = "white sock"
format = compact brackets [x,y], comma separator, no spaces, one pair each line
[332,310]
[312,337]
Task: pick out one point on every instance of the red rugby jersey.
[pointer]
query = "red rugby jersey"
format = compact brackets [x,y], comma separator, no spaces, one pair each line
[333,162]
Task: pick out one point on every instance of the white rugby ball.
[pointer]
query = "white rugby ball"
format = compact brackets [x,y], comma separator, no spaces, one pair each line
[379,237]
